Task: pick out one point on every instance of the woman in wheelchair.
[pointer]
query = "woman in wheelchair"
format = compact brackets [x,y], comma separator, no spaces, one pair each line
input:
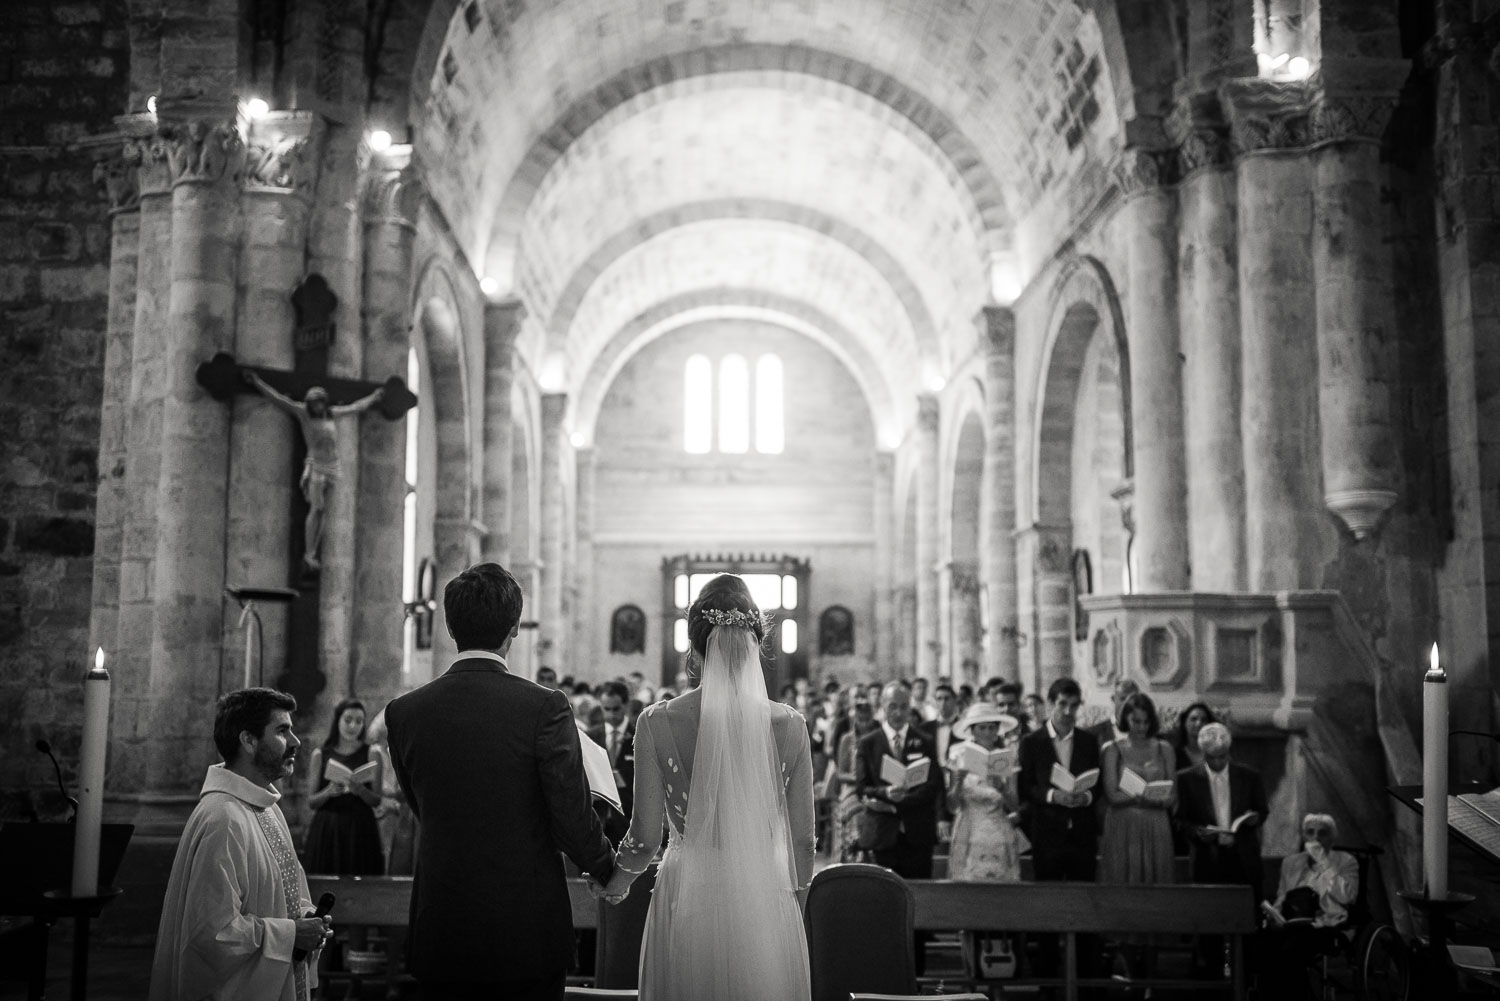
[1318,886]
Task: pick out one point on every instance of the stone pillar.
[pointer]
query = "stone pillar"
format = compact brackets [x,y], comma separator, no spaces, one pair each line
[205,158]
[456,544]
[586,617]
[281,153]
[502,324]
[1148,223]
[1355,309]
[121,184]
[966,637]
[1209,320]
[947,637]
[374,672]
[884,655]
[551,629]
[1048,549]
[997,521]
[1286,539]
[929,641]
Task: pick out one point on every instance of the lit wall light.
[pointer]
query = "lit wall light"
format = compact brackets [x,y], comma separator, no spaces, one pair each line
[380,140]
[577,439]
[256,108]
[934,381]
[151,105]
[554,372]
[1298,68]
[489,286]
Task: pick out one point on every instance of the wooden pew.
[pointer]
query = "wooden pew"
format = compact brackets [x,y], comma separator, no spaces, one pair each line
[1071,909]
[1068,909]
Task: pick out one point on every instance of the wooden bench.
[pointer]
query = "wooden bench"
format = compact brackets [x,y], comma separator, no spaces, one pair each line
[1071,909]
[1067,909]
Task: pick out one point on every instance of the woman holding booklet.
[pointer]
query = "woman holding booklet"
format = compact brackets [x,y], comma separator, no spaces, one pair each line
[345,779]
[1137,773]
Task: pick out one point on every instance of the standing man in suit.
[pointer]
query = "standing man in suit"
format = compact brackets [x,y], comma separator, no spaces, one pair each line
[1063,826]
[617,737]
[491,765]
[945,700]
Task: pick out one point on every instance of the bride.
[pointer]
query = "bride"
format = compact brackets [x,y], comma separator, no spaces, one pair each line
[730,773]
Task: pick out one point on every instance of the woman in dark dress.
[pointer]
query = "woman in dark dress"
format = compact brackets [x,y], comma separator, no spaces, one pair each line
[344,839]
[1185,737]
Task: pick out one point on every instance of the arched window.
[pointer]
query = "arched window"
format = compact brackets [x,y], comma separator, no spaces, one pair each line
[734,404]
[769,431]
[698,406]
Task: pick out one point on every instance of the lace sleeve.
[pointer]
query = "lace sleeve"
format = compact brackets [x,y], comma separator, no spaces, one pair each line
[648,813]
[801,816]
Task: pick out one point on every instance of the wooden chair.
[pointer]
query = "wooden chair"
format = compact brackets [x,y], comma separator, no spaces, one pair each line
[860,920]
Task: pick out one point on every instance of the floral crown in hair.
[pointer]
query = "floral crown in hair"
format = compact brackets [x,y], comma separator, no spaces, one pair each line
[733,617]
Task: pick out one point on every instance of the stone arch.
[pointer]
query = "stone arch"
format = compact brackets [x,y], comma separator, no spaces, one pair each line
[712,303]
[1084,306]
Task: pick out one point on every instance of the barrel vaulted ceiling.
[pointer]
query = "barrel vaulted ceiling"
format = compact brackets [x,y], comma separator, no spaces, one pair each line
[854,169]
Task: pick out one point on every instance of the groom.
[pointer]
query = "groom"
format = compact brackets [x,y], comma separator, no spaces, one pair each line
[491,766]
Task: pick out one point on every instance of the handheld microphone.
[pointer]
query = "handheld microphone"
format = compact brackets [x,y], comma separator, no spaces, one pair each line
[46,748]
[325,905]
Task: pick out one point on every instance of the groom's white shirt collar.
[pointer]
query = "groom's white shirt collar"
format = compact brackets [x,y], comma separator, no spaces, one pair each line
[483,655]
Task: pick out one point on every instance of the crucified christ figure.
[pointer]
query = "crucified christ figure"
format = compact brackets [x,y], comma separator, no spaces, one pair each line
[320,434]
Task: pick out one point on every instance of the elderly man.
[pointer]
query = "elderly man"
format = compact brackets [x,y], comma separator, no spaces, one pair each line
[237,920]
[1318,886]
[1221,805]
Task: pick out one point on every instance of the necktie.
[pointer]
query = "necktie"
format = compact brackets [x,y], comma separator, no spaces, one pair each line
[614,745]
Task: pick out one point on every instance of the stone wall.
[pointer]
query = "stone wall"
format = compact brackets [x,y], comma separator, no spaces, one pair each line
[71,61]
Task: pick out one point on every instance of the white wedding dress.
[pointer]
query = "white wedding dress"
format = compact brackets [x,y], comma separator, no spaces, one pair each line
[729,774]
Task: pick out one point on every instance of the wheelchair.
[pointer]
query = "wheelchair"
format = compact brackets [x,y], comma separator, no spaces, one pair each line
[1367,958]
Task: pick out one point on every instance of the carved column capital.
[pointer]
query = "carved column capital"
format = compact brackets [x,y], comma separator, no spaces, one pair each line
[997,329]
[118,179]
[502,321]
[203,151]
[1265,115]
[393,188]
[1197,128]
[1137,169]
[1052,546]
[283,152]
[927,412]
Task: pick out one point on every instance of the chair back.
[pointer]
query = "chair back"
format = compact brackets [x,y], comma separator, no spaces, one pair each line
[617,948]
[860,920]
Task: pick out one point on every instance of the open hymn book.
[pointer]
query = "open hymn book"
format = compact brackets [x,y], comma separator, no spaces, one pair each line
[973,758]
[1068,782]
[900,776]
[1234,825]
[1133,784]
[337,771]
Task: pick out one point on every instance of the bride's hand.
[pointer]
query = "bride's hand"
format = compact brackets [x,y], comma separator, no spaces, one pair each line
[619,886]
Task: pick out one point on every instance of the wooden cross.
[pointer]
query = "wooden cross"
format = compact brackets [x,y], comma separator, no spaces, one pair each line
[223,377]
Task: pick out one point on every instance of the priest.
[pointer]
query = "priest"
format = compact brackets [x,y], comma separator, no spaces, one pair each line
[237,922]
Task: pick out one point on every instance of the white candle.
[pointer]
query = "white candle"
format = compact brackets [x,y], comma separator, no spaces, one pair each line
[1435,780]
[91,779]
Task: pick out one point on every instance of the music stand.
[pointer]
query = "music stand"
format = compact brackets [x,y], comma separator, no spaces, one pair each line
[36,860]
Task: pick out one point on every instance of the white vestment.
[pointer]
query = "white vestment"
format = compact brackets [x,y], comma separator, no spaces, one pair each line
[225,932]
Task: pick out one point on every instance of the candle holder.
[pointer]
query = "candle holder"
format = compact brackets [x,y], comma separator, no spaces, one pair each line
[1438,976]
[82,909]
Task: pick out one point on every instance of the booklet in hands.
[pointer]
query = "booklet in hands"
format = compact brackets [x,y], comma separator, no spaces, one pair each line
[973,758]
[1068,782]
[337,771]
[1234,825]
[900,776]
[1132,783]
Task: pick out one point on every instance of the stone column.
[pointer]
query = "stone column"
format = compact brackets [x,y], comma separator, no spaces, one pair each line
[1048,549]
[586,617]
[502,324]
[1286,538]
[929,642]
[997,522]
[280,154]
[550,625]
[1148,223]
[1355,309]
[375,671]
[455,547]
[1209,320]
[120,181]
[947,637]
[966,637]
[205,157]
[884,655]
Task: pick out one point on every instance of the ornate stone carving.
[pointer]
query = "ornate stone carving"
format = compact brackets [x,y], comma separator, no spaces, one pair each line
[392,195]
[1166,654]
[277,164]
[997,329]
[1138,170]
[203,152]
[1361,117]
[1108,646]
[148,155]
[1265,114]
[119,179]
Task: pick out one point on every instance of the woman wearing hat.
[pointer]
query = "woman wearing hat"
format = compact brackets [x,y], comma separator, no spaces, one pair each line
[987,843]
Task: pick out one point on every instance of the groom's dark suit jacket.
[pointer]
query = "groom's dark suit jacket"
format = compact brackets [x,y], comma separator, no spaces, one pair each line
[1057,831]
[491,766]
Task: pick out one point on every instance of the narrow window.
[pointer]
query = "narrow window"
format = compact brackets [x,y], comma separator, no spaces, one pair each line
[734,404]
[697,410]
[769,428]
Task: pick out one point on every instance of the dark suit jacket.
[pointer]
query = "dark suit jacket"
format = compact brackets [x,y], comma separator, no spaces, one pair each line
[916,813]
[1054,829]
[942,740]
[491,767]
[1195,808]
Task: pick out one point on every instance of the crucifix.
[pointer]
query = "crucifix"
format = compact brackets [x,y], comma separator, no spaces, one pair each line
[316,402]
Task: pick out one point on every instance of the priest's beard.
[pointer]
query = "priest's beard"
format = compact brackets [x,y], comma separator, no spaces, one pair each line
[271,766]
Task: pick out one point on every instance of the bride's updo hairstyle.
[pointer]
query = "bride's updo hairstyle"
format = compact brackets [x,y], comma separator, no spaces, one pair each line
[725,593]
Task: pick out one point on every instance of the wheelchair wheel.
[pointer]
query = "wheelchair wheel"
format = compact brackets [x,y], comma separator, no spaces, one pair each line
[1382,964]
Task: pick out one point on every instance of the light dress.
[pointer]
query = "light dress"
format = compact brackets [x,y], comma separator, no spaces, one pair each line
[1137,843]
[986,846]
[729,773]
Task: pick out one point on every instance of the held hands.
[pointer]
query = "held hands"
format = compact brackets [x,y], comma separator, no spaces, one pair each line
[313,932]
[617,890]
[1071,800]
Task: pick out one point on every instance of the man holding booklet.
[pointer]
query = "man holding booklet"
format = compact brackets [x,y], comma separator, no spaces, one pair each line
[1220,807]
[897,776]
[1059,767]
